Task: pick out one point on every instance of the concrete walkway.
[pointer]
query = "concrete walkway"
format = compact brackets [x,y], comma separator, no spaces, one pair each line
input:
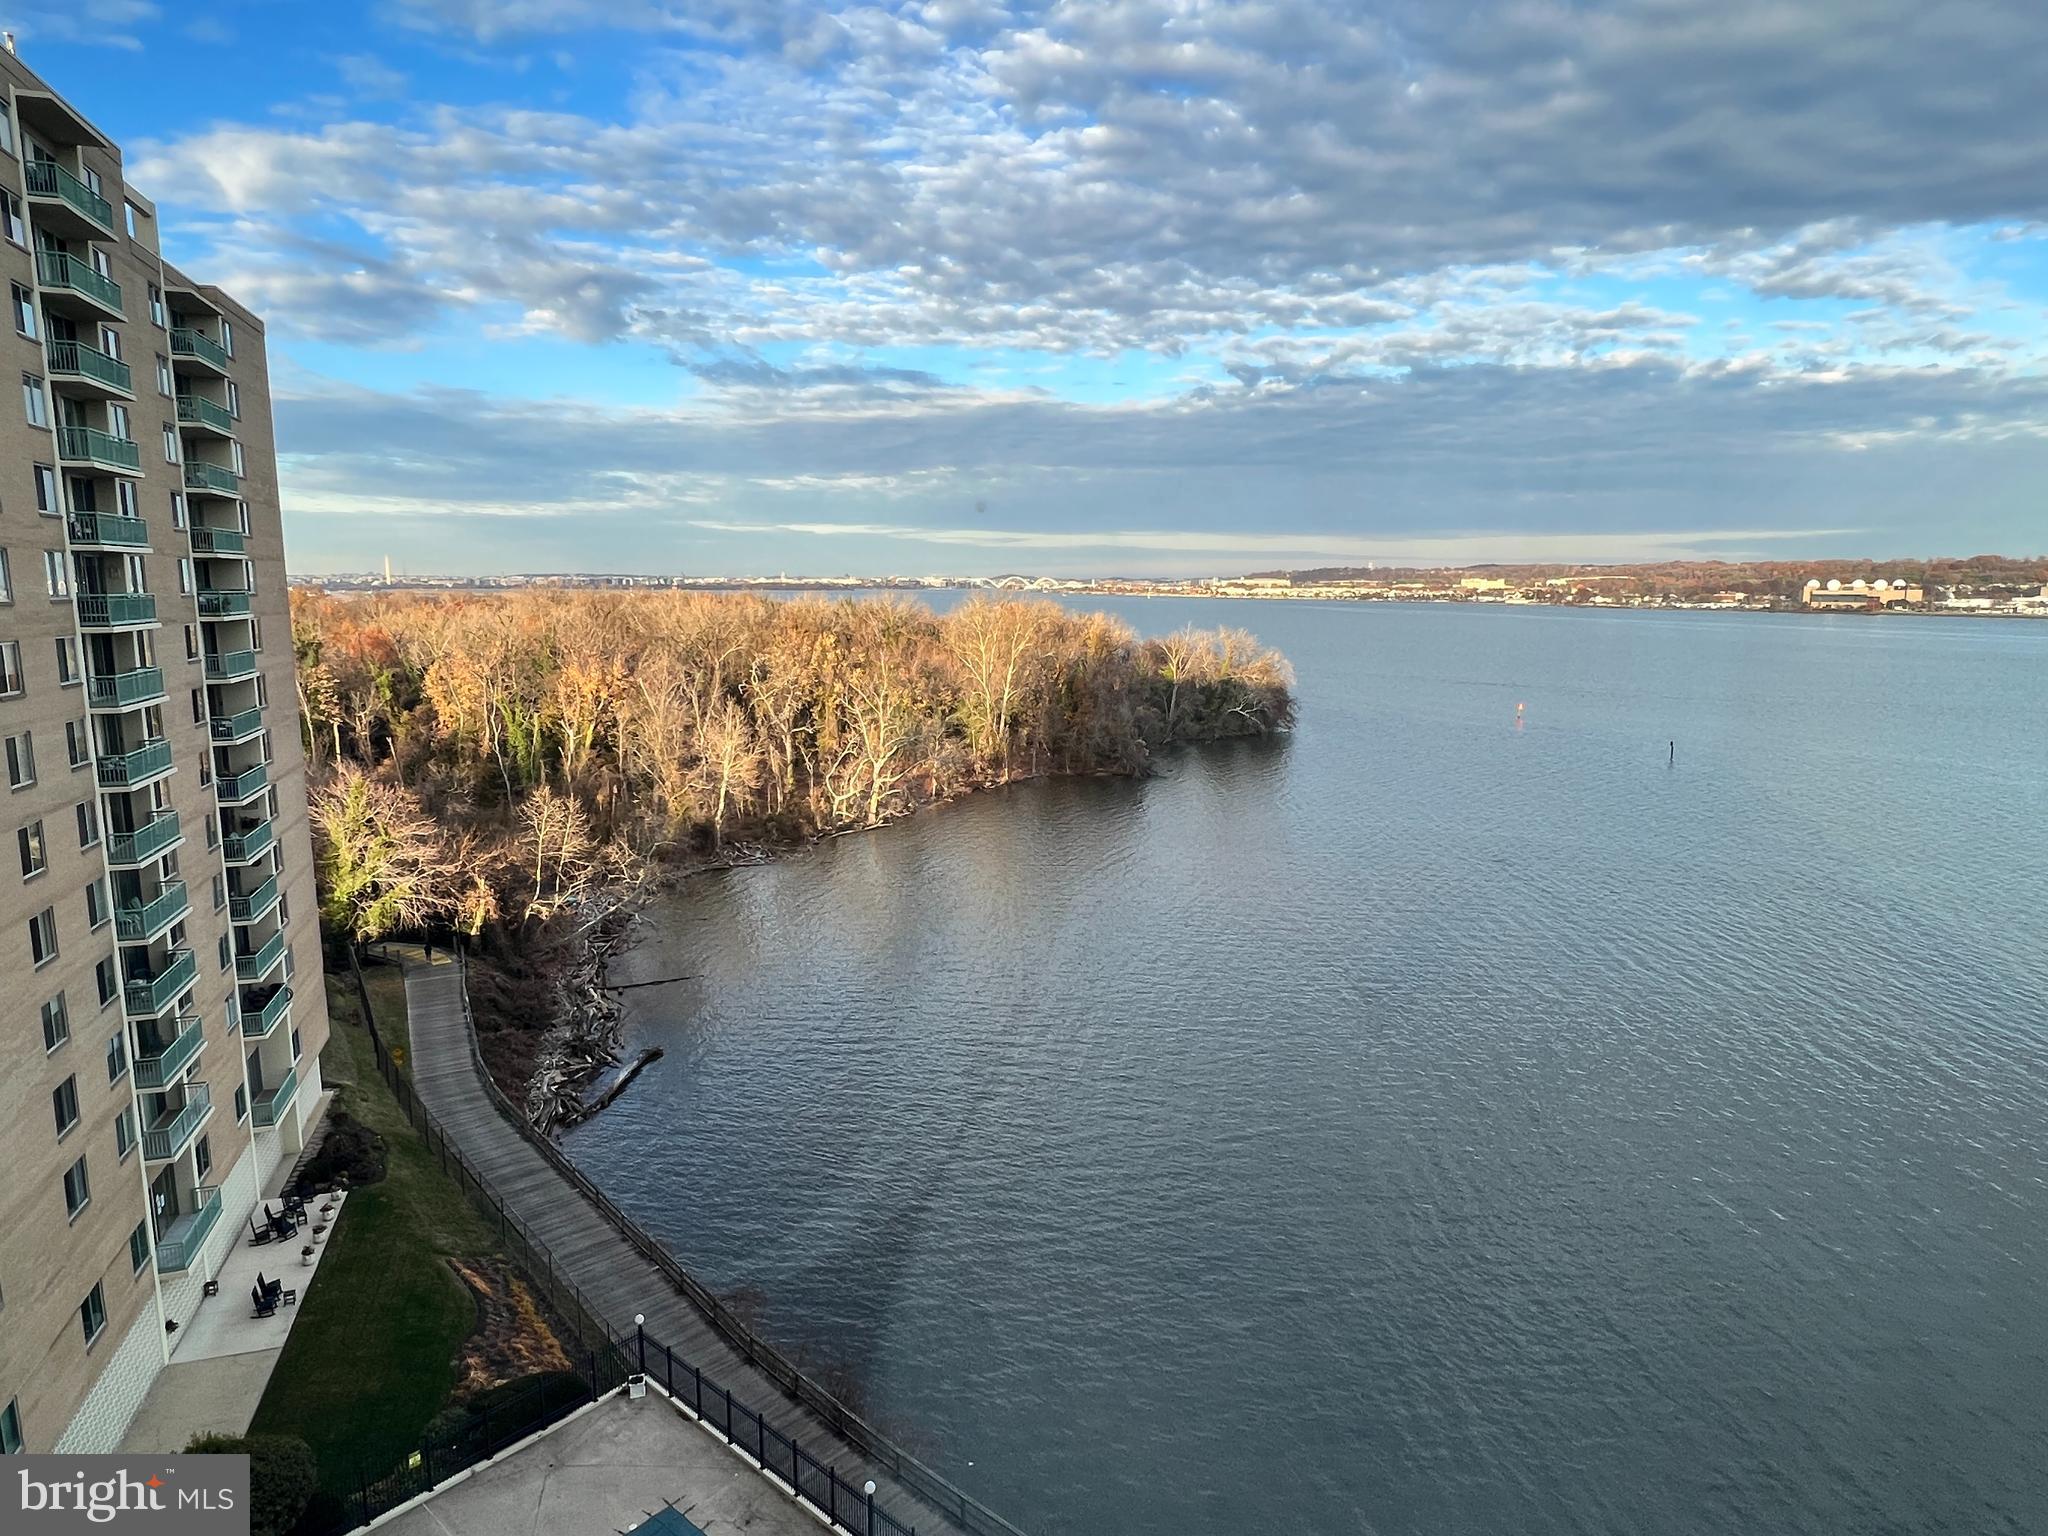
[615,1278]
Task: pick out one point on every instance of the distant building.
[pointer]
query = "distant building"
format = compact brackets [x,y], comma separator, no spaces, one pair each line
[1483,583]
[1881,593]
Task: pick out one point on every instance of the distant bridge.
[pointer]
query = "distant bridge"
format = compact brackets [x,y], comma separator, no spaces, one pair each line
[1017,583]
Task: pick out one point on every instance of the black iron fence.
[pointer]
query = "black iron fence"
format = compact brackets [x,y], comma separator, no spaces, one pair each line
[612,1357]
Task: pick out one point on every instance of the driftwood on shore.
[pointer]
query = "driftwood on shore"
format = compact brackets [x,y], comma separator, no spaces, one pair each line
[584,1040]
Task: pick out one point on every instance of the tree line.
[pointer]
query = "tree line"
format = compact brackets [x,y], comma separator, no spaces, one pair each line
[484,759]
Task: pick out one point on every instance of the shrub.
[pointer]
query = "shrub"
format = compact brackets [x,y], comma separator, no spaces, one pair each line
[351,1153]
[282,1475]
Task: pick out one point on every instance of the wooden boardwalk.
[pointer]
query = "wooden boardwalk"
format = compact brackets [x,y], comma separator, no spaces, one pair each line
[617,1281]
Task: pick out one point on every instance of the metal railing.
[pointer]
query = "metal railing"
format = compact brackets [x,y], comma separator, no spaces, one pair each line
[107,610]
[76,360]
[260,1023]
[46,178]
[265,1111]
[176,1246]
[242,847]
[216,541]
[226,666]
[817,1483]
[202,476]
[166,1139]
[234,787]
[124,770]
[89,445]
[255,964]
[146,841]
[139,923]
[120,690]
[107,528]
[245,722]
[247,908]
[60,269]
[161,1069]
[186,342]
[196,411]
[153,993]
[223,604]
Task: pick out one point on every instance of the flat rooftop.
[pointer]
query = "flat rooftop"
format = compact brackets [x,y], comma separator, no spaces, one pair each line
[608,1470]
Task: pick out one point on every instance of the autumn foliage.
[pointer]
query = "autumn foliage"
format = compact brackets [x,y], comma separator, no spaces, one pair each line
[485,756]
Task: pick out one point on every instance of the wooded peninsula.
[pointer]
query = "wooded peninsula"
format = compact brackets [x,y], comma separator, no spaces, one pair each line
[509,766]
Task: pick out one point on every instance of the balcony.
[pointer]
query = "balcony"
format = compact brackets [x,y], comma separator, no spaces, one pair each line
[107,530]
[99,450]
[216,541]
[75,285]
[269,1109]
[205,415]
[256,964]
[168,1137]
[133,769]
[161,1070]
[211,479]
[81,370]
[115,610]
[239,726]
[234,788]
[221,604]
[143,921]
[79,209]
[150,993]
[230,666]
[247,847]
[246,909]
[181,1238]
[124,690]
[146,842]
[258,1024]
[188,345]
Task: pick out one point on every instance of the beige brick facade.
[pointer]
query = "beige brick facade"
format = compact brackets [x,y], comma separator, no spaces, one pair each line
[145,638]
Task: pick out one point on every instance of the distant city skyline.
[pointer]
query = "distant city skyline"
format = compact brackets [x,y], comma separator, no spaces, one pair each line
[1088,289]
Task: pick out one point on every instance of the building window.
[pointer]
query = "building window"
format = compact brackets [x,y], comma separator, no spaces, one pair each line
[64,1101]
[77,1188]
[21,750]
[88,824]
[97,912]
[227,336]
[241,1104]
[34,402]
[212,833]
[10,1416]
[129,217]
[77,743]
[170,443]
[56,1024]
[227,952]
[295,1042]
[124,1134]
[24,311]
[220,892]
[108,978]
[177,509]
[198,702]
[6,579]
[42,936]
[138,1247]
[117,1055]
[184,576]
[34,858]
[10,214]
[156,304]
[127,499]
[202,1157]
[7,148]
[234,399]
[235,456]
[46,490]
[67,661]
[163,374]
[92,1315]
[56,574]
[191,642]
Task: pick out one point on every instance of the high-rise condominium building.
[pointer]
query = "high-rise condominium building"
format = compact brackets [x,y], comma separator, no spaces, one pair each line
[163,1013]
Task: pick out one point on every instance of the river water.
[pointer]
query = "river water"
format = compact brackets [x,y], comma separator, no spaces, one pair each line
[1432,1122]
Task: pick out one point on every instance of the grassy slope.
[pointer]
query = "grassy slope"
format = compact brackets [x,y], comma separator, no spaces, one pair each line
[371,1356]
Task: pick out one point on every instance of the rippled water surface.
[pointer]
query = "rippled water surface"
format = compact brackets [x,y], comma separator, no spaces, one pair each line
[1423,1124]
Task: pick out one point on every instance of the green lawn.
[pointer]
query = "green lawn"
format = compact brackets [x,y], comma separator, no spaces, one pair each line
[371,1357]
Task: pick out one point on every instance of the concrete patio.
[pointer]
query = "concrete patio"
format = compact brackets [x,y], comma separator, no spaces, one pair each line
[221,1361]
[607,1470]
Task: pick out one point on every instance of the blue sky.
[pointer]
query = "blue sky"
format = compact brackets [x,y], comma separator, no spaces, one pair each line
[1109,285]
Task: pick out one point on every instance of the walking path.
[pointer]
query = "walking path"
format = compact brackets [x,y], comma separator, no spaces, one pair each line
[616,1279]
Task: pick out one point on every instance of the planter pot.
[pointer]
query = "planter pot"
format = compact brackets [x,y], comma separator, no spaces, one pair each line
[306,1255]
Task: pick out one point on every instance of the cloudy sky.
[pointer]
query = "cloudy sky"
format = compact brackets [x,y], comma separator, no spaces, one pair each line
[1110,285]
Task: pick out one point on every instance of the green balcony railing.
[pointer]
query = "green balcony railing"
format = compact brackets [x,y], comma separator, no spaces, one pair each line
[145,842]
[89,445]
[60,269]
[256,964]
[166,1139]
[197,411]
[161,1069]
[242,847]
[152,992]
[238,726]
[74,359]
[186,342]
[178,1244]
[110,610]
[143,921]
[124,770]
[246,909]
[226,666]
[217,541]
[201,476]
[234,788]
[224,605]
[108,528]
[46,178]
[122,690]
[260,1023]
[269,1109]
